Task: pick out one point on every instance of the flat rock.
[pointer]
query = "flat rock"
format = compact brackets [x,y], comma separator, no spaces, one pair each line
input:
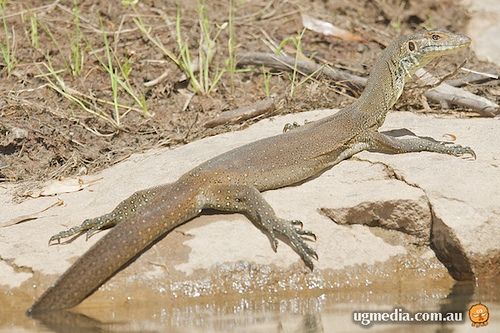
[464,195]
[391,213]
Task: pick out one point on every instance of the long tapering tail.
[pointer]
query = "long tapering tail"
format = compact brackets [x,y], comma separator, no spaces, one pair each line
[172,205]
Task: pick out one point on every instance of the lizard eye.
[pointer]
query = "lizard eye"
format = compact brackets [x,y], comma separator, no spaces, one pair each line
[412,46]
[435,37]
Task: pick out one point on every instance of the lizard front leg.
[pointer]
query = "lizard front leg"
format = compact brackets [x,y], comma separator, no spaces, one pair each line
[379,142]
[249,201]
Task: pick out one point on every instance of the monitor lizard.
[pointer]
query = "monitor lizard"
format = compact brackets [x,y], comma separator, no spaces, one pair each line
[233,181]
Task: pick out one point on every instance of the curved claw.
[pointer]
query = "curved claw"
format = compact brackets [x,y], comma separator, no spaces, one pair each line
[306,233]
[91,232]
[297,237]
[290,126]
[297,223]
[63,234]
[55,238]
[460,151]
[470,152]
[274,243]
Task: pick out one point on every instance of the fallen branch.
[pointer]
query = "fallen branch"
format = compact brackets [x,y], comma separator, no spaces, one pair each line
[443,94]
[284,62]
[159,79]
[243,113]
[472,78]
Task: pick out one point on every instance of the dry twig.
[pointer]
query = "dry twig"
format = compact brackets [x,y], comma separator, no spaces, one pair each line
[307,67]
[243,113]
[443,93]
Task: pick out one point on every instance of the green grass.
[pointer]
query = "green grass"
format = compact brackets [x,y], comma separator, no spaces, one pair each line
[147,32]
[119,78]
[34,38]
[119,70]
[198,65]
[202,76]
[7,47]
[231,45]
[56,82]
[76,59]
[296,41]
[94,106]
[77,54]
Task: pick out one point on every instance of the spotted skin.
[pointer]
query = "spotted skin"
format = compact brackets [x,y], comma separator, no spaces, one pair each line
[233,181]
[137,203]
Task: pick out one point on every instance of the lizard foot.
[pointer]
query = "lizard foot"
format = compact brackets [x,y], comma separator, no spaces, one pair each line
[91,226]
[460,151]
[56,239]
[296,236]
[290,126]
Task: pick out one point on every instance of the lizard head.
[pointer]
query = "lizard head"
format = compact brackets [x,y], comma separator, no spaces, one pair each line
[418,49]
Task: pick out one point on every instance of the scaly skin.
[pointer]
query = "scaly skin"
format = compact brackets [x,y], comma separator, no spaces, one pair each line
[233,181]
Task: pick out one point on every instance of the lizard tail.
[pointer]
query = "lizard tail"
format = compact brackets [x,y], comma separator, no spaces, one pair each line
[170,205]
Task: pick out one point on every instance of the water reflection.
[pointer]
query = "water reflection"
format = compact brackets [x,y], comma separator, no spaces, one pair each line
[66,321]
[458,300]
[311,323]
[310,313]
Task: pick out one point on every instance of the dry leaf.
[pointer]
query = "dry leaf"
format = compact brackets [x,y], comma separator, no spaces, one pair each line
[63,186]
[450,137]
[29,217]
[328,29]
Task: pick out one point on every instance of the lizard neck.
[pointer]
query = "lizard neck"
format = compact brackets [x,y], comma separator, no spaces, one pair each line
[385,84]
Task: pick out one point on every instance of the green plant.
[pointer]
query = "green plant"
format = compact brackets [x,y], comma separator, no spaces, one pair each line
[119,77]
[147,32]
[297,43]
[8,46]
[118,71]
[77,54]
[231,45]
[35,40]
[207,78]
[56,83]
[89,104]
[130,2]
[197,66]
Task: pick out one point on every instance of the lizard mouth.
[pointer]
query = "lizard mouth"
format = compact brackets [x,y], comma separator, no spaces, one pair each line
[445,48]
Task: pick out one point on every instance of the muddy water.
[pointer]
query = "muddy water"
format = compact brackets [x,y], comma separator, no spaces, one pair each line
[297,312]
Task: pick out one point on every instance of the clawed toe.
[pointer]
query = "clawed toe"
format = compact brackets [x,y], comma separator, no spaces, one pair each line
[297,237]
[306,233]
[461,151]
[297,223]
[465,152]
[56,239]
[91,233]
[469,153]
[308,254]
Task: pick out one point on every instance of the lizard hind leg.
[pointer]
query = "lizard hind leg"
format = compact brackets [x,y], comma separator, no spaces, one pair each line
[249,201]
[129,207]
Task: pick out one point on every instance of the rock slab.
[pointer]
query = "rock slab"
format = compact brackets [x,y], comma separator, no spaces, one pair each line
[379,219]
